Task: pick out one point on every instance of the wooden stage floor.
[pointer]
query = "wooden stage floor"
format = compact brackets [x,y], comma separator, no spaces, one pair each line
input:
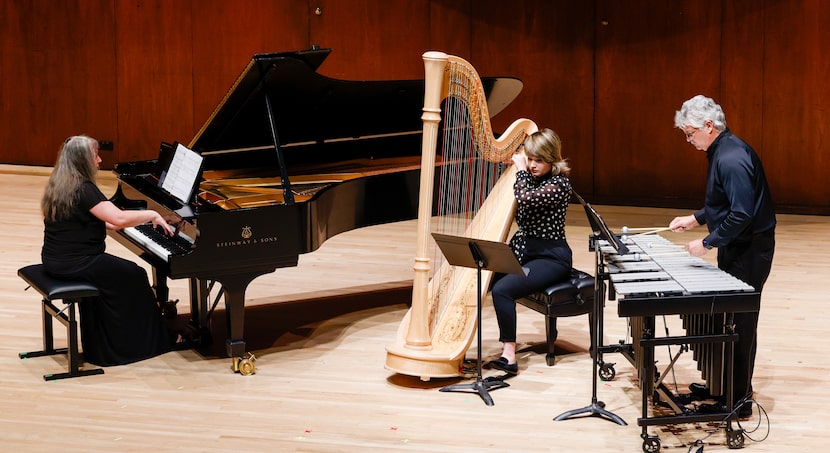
[319,333]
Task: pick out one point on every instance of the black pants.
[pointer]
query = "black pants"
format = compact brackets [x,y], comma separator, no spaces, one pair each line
[541,273]
[750,261]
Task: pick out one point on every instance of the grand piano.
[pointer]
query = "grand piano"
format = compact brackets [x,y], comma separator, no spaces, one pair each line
[290,158]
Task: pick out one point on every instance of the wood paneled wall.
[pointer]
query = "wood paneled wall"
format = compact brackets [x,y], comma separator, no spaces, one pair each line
[607,75]
[58,76]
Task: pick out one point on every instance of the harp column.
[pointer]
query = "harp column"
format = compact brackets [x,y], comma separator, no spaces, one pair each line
[418,335]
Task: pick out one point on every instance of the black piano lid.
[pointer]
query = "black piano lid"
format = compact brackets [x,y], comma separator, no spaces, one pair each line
[312,108]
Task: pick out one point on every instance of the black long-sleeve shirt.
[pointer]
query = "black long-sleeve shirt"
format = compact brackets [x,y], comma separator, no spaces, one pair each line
[738,202]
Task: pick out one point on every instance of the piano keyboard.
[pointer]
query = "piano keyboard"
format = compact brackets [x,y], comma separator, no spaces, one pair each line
[159,243]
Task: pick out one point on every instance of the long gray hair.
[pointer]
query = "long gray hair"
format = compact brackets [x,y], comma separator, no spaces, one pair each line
[75,165]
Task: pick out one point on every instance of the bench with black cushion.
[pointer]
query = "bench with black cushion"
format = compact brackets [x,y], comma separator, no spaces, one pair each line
[571,297]
[70,293]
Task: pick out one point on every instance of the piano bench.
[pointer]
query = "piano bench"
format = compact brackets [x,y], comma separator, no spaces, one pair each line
[70,293]
[571,297]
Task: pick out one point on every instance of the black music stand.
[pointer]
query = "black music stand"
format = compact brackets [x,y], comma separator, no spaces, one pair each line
[481,255]
[600,231]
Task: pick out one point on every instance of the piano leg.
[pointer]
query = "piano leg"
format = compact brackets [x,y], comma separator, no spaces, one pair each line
[200,310]
[160,285]
[234,289]
[168,307]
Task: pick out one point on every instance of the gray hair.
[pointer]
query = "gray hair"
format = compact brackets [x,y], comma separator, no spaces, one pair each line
[74,166]
[697,111]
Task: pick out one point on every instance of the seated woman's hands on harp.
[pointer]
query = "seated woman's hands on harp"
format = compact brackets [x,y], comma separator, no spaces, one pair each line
[519,160]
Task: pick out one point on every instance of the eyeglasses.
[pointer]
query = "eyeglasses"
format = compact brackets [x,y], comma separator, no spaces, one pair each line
[691,134]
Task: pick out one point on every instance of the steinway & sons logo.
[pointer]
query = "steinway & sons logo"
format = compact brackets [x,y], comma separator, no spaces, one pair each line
[247,238]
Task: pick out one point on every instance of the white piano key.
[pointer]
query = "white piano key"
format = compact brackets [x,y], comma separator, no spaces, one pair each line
[148,243]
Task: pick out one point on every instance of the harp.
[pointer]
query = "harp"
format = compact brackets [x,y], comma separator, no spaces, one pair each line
[474,199]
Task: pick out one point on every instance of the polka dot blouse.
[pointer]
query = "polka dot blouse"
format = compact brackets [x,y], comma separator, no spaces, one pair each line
[542,208]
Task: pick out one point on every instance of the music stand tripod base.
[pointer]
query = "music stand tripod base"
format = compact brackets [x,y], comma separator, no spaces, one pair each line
[480,386]
[600,231]
[478,254]
[596,409]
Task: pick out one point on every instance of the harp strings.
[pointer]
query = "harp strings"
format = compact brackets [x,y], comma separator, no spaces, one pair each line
[473,161]
[471,165]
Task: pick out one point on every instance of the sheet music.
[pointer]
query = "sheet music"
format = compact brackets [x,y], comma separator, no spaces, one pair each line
[180,178]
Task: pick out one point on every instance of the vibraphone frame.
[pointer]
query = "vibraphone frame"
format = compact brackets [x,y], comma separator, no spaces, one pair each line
[649,305]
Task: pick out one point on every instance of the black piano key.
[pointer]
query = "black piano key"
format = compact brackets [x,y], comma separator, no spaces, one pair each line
[176,245]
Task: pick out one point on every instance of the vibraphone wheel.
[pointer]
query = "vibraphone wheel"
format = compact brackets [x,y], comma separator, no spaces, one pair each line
[734,438]
[607,372]
[651,444]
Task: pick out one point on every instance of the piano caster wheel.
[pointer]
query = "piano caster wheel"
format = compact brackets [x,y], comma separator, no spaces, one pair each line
[244,365]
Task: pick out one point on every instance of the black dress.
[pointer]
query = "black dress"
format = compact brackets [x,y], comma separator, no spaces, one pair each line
[124,324]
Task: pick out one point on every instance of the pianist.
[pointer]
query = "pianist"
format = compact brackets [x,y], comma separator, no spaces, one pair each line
[542,190]
[124,324]
[739,214]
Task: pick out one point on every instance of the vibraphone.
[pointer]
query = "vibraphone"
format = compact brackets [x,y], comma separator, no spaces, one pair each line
[657,278]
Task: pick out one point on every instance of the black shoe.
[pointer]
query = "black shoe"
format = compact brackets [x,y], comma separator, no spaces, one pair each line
[700,391]
[183,345]
[682,399]
[501,364]
[719,408]
[182,342]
